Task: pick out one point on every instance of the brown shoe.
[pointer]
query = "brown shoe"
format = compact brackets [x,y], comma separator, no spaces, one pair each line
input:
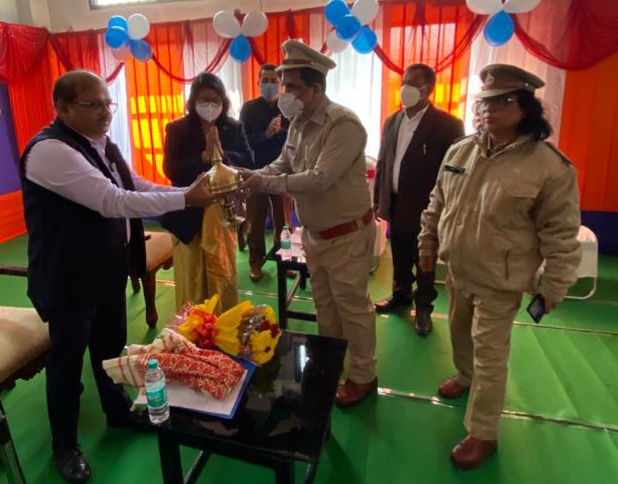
[471,452]
[452,389]
[290,274]
[255,274]
[351,393]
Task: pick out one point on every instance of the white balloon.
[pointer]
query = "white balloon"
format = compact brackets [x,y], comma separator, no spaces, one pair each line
[520,6]
[334,43]
[138,26]
[365,10]
[485,7]
[122,54]
[226,24]
[254,24]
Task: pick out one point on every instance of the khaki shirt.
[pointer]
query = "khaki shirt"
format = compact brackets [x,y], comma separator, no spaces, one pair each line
[493,217]
[322,166]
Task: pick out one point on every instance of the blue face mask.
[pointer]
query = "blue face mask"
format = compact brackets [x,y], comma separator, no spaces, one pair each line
[269,90]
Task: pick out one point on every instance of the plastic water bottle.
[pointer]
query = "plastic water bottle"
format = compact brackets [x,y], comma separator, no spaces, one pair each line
[156,393]
[286,243]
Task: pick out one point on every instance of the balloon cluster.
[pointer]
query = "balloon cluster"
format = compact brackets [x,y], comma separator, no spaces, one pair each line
[227,25]
[351,25]
[500,26]
[126,37]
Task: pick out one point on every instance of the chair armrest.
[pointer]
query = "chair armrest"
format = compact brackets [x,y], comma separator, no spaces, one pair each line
[13,270]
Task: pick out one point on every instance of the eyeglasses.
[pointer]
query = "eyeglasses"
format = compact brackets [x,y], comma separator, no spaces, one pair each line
[498,103]
[98,105]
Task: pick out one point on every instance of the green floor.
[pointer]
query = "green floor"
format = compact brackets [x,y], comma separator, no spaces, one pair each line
[560,423]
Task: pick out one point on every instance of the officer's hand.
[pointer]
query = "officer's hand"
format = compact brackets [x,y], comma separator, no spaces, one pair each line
[428,263]
[251,181]
[198,195]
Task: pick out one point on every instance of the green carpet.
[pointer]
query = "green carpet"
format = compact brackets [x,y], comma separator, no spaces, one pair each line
[562,373]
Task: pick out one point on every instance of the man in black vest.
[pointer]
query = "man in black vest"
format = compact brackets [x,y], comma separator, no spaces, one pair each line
[414,141]
[83,204]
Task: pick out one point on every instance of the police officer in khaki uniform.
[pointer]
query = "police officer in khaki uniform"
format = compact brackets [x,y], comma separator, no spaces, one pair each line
[323,167]
[504,202]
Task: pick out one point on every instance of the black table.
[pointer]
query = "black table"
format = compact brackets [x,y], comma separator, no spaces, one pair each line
[284,296]
[283,417]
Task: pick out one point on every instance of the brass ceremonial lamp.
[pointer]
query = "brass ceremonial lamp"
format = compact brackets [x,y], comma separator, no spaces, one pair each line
[223,181]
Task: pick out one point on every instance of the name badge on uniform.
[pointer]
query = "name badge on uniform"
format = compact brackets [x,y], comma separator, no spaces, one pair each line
[454,169]
[291,148]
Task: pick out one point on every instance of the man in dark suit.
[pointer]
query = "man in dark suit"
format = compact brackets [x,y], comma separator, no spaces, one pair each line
[414,141]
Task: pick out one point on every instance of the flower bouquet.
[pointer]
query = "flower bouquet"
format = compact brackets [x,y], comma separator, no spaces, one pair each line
[246,331]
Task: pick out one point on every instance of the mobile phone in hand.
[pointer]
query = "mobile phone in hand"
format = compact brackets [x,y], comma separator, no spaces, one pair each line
[536,308]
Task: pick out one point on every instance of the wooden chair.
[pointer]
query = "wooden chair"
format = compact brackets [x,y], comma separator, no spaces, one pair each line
[24,344]
[158,255]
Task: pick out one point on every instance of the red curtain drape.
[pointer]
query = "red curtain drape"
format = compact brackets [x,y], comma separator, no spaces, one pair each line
[570,34]
[435,33]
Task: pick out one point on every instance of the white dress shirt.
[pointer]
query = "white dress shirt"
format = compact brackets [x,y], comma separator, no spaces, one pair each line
[406,131]
[56,166]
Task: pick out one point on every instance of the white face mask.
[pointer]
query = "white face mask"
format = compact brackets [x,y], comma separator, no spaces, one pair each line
[290,105]
[209,111]
[410,95]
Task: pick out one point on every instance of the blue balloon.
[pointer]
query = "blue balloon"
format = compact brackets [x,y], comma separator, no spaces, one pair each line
[118,21]
[116,37]
[365,41]
[348,27]
[499,29]
[335,11]
[141,50]
[240,50]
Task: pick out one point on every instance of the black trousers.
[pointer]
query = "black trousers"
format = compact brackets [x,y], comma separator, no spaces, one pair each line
[103,330]
[257,209]
[404,230]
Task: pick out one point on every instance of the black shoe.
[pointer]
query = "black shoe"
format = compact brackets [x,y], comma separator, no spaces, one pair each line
[393,302]
[423,323]
[134,420]
[72,466]
[241,230]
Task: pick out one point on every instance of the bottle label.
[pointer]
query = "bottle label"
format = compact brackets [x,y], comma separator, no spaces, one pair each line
[156,394]
[286,244]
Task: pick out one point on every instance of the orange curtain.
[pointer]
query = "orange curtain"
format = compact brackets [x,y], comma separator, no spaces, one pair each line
[433,34]
[589,132]
[155,99]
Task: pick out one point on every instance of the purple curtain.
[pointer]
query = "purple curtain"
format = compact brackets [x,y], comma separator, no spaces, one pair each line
[9,177]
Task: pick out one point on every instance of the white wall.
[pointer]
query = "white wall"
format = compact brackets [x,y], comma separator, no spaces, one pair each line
[76,14]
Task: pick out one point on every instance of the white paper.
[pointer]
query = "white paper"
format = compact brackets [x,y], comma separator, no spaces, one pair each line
[181,396]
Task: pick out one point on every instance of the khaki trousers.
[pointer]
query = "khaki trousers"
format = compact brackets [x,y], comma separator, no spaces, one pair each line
[339,270]
[481,338]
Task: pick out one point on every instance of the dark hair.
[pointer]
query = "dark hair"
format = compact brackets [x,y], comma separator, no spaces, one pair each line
[266,67]
[311,77]
[534,122]
[206,80]
[429,75]
[69,85]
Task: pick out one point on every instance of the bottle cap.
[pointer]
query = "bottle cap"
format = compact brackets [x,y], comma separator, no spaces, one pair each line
[285,227]
[153,364]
